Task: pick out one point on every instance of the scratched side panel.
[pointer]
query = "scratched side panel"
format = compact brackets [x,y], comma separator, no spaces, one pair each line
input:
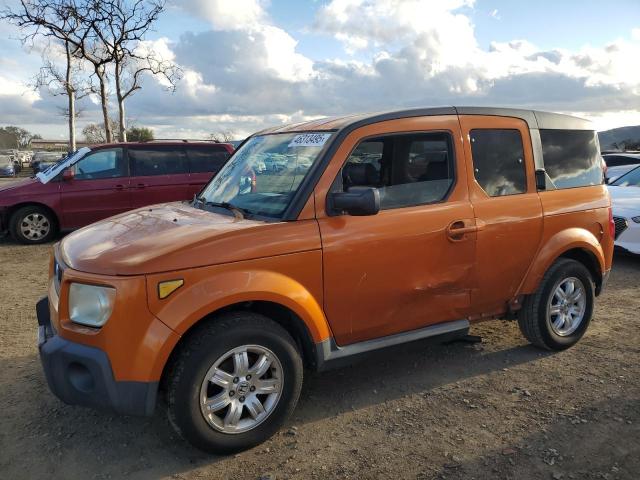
[396,271]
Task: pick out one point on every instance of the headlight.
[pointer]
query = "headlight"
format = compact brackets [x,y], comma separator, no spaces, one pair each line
[636,219]
[90,305]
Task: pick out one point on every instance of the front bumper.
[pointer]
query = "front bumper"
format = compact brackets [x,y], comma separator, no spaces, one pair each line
[81,375]
[629,237]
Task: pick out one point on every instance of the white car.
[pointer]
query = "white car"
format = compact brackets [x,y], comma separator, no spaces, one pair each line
[625,199]
[614,173]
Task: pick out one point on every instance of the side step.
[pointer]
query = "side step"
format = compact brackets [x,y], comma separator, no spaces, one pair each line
[329,354]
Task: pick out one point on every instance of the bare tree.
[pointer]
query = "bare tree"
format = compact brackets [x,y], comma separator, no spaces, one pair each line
[71,22]
[66,82]
[222,137]
[97,133]
[126,24]
[62,22]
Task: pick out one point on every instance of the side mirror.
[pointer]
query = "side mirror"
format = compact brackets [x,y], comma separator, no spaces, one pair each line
[357,201]
[541,179]
[68,175]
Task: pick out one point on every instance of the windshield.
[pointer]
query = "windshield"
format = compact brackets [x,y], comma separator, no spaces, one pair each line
[629,179]
[264,174]
[61,164]
[55,161]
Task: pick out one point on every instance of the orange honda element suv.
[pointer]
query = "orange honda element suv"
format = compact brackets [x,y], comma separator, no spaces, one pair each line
[321,241]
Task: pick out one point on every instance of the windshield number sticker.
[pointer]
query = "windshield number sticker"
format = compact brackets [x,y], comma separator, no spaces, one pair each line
[309,140]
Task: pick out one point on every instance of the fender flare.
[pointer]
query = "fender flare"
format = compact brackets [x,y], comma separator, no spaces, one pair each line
[559,244]
[215,292]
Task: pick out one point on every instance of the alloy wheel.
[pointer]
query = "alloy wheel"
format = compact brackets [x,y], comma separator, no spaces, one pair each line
[567,306]
[241,389]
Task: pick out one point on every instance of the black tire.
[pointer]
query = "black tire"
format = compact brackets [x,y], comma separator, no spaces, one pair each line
[202,349]
[532,318]
[20,215]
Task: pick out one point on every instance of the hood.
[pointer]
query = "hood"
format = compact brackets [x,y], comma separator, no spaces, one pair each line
[176,236]
[6,187]
[625,201]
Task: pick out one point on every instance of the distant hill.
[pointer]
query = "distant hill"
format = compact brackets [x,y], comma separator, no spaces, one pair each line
[618,135]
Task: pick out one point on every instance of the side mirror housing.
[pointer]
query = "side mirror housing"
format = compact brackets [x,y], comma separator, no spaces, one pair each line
[357,201]
[68,175]
[541,179]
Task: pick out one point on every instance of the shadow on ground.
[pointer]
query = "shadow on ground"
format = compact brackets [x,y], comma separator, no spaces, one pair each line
[149,447]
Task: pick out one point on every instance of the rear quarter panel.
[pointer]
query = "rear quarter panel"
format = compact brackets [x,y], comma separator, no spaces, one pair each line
[573,218]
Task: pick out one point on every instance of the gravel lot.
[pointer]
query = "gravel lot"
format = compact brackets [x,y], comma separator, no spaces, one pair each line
[500,409]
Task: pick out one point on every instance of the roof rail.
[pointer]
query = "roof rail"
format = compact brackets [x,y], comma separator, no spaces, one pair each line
[185,140]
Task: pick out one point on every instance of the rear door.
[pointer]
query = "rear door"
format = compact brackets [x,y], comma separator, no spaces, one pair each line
[99,189]
[506,204]
[204,162]
[158,174]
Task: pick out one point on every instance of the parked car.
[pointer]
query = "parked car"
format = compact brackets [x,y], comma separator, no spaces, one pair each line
[95,183]
[25,158]
[620,163]
[13,159]
[219,302]
[625,198]
[7,169]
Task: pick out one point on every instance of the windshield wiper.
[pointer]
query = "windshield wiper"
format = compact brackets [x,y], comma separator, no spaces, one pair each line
[238,211]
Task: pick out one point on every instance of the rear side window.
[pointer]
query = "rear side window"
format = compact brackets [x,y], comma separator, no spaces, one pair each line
[620,160]
[571,158]
[407,169]
[498,161]
[207,159]
[158,161]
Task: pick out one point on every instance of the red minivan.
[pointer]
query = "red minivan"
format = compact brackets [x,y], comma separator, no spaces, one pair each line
[98,182]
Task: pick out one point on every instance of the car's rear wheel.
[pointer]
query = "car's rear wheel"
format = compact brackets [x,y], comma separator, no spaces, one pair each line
[32,225]
[558,314]
[234,383]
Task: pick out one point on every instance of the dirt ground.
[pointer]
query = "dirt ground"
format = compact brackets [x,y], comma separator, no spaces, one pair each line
[496,410]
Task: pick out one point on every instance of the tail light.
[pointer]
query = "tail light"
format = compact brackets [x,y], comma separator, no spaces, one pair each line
[612,225]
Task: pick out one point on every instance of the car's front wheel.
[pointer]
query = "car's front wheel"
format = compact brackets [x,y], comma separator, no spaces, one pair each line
[557,315]
[234,383]
[32,225]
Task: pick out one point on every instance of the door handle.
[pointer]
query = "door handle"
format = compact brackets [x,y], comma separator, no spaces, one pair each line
[456,230]
[120,187]
[141,185]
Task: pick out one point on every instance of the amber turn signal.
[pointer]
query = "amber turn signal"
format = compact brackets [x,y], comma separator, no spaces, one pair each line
[167,288]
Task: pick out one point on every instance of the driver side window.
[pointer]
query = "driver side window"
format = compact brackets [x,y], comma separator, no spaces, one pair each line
[100,165]
[408,169]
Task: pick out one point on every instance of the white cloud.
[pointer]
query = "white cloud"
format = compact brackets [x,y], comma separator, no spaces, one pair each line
[229,15]
[246,73]
[361,24]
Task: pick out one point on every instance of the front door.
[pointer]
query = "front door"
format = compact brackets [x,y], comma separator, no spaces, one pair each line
[99,189]
[406,267]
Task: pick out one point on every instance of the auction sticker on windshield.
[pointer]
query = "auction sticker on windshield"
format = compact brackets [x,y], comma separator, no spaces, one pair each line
[309,140]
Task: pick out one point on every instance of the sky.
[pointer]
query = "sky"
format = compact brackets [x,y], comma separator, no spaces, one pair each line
[250,64]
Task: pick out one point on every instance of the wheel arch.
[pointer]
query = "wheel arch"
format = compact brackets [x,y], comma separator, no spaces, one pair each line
[14,208]
[279,313]
[575,243]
